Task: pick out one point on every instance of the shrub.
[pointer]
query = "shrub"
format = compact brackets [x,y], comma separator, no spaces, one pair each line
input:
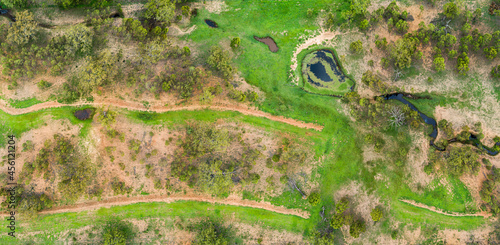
[357,228]
[337,221]
[117,232]
[43,84]
[450,10]
[376,214]
[495,72]
[356,46]
[219,60]
[314,198]
[342,205]
[235,42]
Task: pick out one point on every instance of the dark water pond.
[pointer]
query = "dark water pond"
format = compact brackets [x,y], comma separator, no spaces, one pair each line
[211,23]
[320,72]
[473,140]
[84,114]
[269,41]
[319,69]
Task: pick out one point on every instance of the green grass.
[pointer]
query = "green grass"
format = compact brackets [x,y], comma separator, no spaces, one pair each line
[24,103]
[54,224]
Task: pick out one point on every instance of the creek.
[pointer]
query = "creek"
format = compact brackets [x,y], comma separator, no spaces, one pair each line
[473,140]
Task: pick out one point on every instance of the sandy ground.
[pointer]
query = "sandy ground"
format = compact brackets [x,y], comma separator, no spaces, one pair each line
[139,107]
[119,201]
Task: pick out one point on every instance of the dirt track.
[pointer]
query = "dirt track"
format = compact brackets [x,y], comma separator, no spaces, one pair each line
[120,201]
[160,109]
[436,210]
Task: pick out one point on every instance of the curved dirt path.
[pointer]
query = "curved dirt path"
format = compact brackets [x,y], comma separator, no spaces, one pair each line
[139,107]
[121,201]
[436,210]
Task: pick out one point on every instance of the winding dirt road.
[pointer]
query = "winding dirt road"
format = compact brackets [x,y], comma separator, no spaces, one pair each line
[140,107]
[436,210]
[120,201]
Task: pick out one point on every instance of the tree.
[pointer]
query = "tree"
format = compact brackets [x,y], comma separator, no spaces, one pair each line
[185,10]
[356,46]
[212,233]
[96,72]
[376,214]
[463,63]
[9,4]
[364,24]
[490,53]
[357,8]
[462,160]
[438,63]
[235,42]
[23,30]
[160,10]
[106,117]
[314,198]
[402,51]
[342,205]
[214,179]
[337,221]
[116,233]
[79,39]
[450,10]
[402,26]
[220,61]
[357,228]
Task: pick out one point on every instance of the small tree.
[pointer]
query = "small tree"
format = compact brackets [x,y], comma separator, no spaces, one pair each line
[450,10]
[357,228]
[342,205]
[160,10]
[463,63]
[376,214]
[235,42]
[23,30]
[314,198]
[337,221]
[116,233]
[438,63]
[356,46]
[185,10]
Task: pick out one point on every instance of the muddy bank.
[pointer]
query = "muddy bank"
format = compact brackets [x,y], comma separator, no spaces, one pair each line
[269,41]
[84,114]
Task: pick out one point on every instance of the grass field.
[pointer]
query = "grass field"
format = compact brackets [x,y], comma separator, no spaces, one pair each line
[49,228]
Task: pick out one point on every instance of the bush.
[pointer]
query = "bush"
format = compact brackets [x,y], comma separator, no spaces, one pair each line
[376,214]
[220,61]
[43,84]
[495,72]
[356,47]
[357,228]
[337,221]
[450,10]
[235,42]
[342,205]
[314,198]
[211,232]
[117,232]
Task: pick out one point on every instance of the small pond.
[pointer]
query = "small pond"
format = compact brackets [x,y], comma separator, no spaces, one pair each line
[322,74]
[211,23]
[84,114]
[269,41]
